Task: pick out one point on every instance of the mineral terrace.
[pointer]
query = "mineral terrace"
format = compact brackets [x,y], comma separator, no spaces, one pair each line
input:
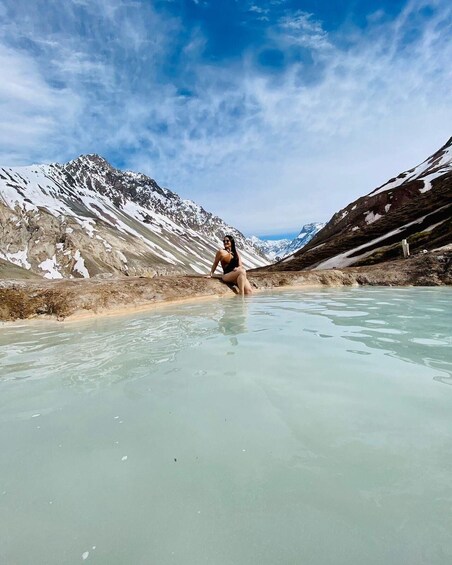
[26,298]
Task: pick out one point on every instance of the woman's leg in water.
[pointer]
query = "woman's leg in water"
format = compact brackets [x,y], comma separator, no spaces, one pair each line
[238,277]
[241,279]
[232,277]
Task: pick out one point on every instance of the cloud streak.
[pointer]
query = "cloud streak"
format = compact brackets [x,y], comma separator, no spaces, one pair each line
[266,147]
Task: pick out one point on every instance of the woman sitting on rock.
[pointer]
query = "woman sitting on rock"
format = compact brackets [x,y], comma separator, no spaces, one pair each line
[233,271]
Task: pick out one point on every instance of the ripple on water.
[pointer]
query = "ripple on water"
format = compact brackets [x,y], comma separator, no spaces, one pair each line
[392,331]
[431,342]
[345,313]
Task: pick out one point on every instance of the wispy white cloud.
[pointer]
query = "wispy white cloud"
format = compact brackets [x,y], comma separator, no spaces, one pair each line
[267,151]
[258,9]
[32,109]
[301,28]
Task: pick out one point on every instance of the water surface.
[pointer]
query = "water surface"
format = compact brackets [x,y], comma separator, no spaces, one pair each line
[296,427]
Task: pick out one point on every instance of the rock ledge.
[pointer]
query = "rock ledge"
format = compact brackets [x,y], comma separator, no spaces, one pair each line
[62,299]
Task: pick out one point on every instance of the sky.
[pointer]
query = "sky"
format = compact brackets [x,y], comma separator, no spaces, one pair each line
[270,114]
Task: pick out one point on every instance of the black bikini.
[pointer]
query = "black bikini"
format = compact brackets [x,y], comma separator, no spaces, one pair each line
[233,263]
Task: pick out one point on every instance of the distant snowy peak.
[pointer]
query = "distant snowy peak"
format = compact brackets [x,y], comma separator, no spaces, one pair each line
[279,248]
[307,232]
[271,248]
[86,218]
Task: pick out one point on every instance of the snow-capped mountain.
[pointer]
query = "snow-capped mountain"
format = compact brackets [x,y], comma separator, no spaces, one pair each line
[307,232]
[84,218]
[279,248]
[416,205]
[271,248]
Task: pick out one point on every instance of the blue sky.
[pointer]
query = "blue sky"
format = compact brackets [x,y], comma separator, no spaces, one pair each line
[270,114]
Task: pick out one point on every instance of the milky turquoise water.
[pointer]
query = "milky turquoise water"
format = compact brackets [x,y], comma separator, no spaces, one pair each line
[292,428]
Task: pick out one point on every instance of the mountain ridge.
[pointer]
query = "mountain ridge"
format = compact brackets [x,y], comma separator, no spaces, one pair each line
[86,218]
[415,205]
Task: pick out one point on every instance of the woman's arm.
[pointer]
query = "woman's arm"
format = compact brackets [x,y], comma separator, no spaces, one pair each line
[215,263]
[239,260]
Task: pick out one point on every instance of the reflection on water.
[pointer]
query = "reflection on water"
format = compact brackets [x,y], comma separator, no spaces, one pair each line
[233,320]
[414,327]
[294,427]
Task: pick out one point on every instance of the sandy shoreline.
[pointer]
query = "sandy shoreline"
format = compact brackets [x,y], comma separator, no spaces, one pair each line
[82,299]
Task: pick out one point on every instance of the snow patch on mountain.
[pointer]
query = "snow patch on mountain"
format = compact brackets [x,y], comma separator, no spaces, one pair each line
[432,168]
[349,257]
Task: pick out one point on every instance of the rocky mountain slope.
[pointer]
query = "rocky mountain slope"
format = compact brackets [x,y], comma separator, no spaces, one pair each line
[279,248]
[86,218]
[416,205]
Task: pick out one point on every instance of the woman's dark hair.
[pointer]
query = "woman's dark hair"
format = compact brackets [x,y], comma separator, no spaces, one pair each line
[235,255]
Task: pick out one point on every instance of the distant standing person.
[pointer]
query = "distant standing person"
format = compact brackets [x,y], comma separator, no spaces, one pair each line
[233,271]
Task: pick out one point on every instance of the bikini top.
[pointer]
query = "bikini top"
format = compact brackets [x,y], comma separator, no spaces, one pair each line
[233,263]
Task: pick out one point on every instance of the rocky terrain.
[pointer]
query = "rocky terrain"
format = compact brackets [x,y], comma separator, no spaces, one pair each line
[416,205]
[25,299]
[10,271]
[86,218]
